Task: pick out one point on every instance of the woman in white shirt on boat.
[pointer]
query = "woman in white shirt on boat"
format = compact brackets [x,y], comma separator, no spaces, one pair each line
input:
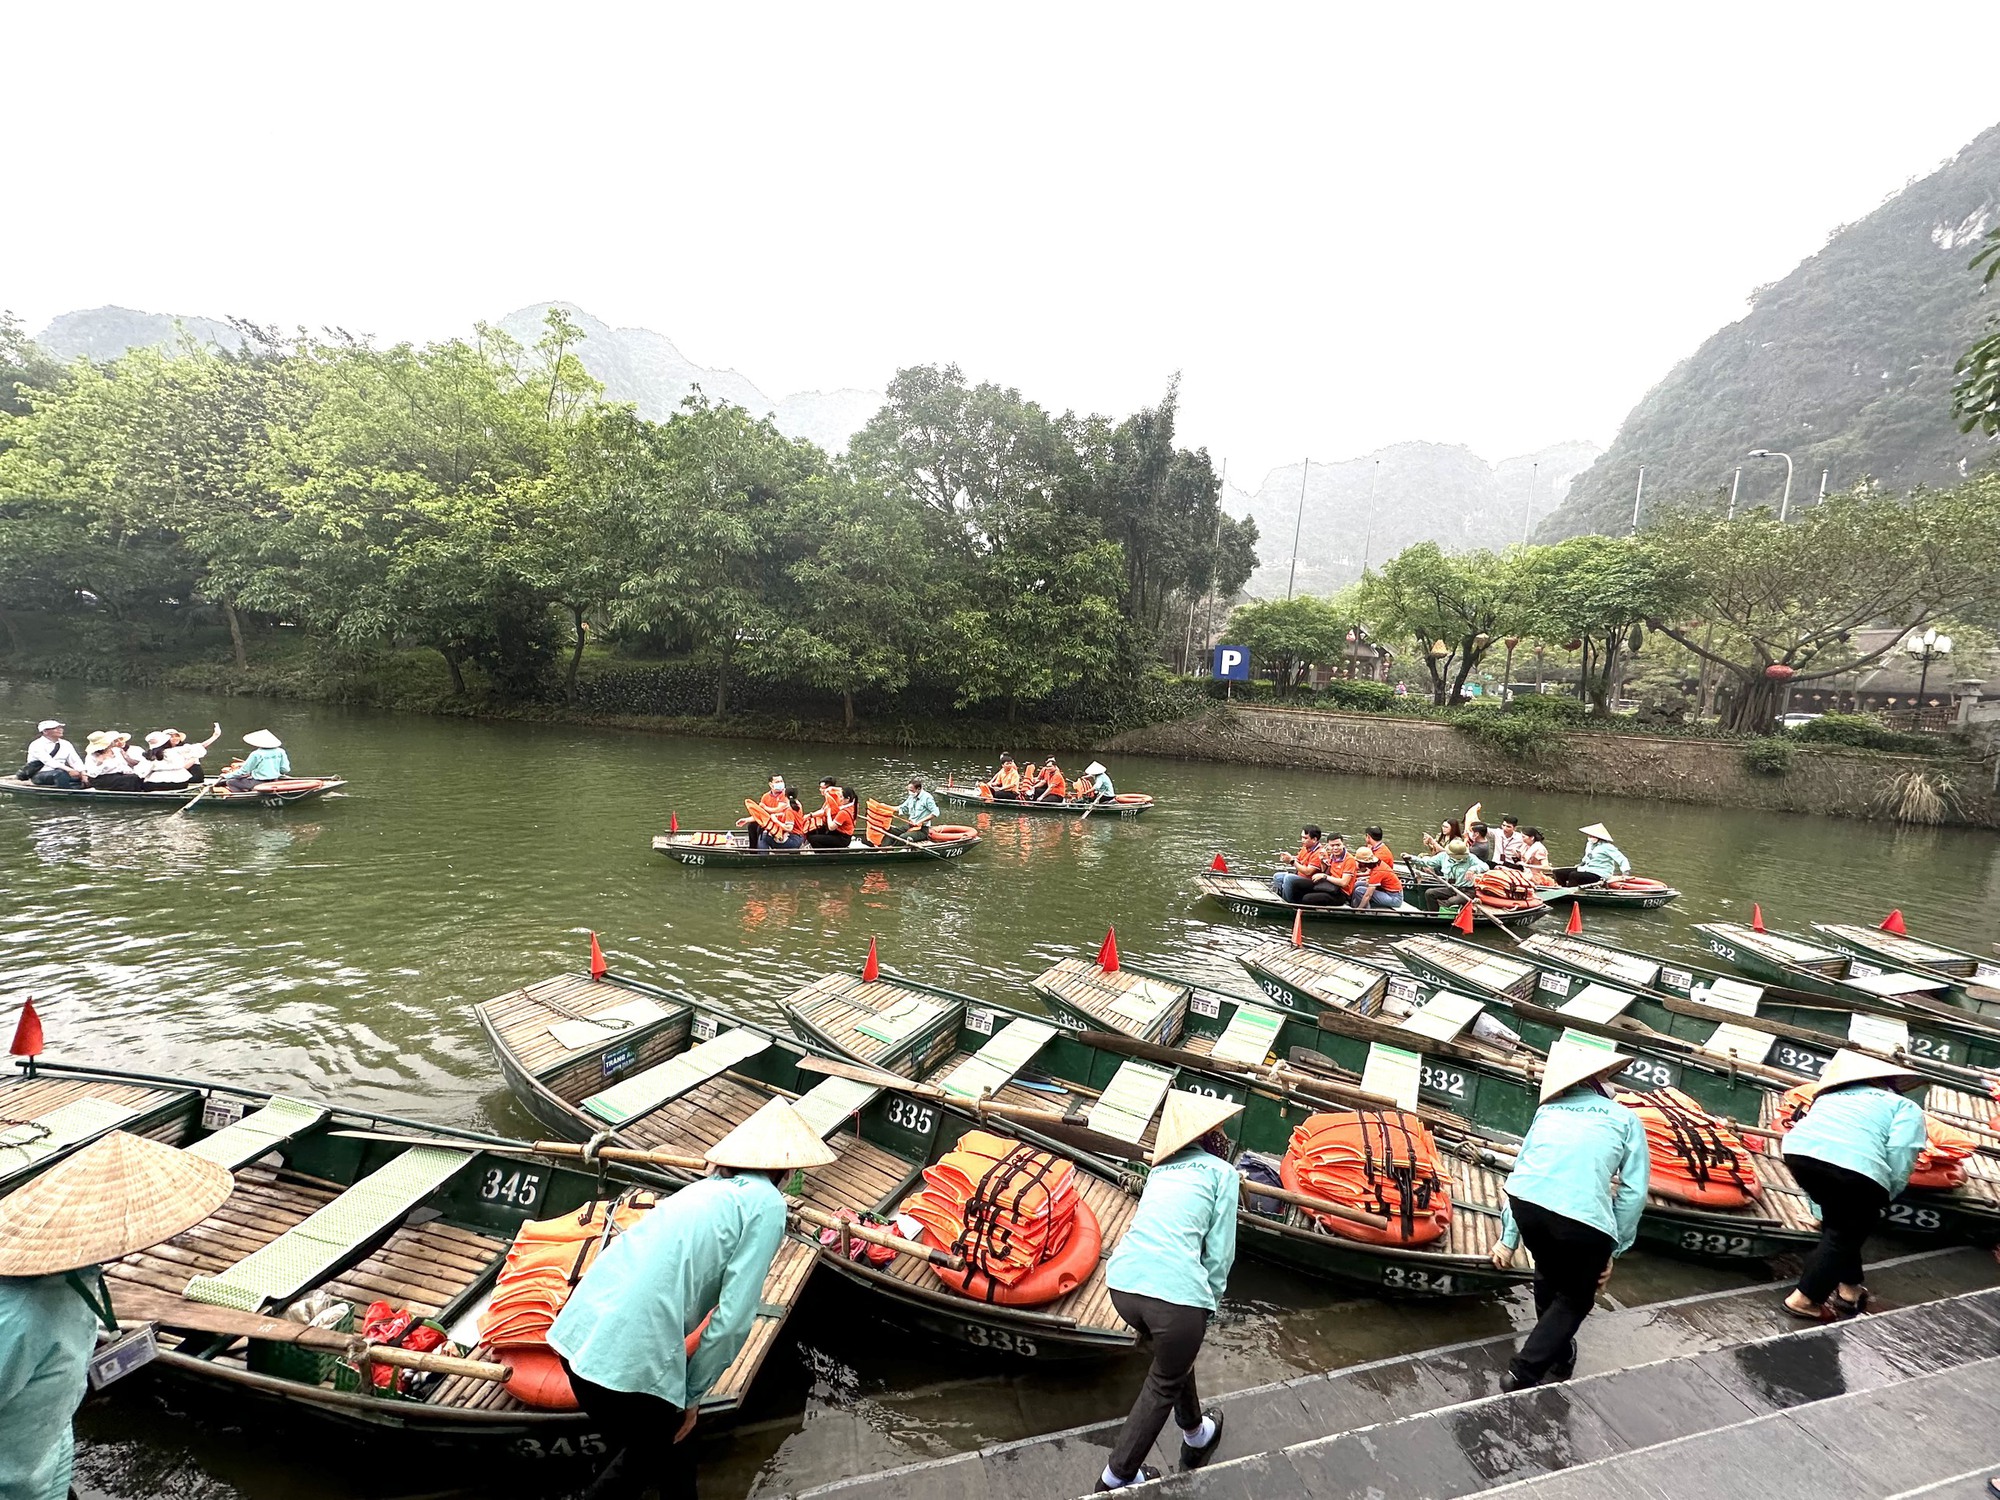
[110,764]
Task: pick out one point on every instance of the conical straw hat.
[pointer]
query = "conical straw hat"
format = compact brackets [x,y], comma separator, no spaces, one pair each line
[1571,1063]
[1849,1066]
[1595,831]
[116,1195]
[1188,1116]
[775,1138]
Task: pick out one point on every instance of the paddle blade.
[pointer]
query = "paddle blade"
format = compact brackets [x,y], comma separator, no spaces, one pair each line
[1756,917]
[871,970]
[27,1032]
[1575,924]
[673,822]
[1107,951]
[598,967]
[1298,929]
[1893,924]
[1219,864]
[1463,921]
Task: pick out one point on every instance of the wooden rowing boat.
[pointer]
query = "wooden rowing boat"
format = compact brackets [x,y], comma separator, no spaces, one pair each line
[1123,805]
[268,794]
[1637,892]
[1970,981]
[920,1031]
[429,1232]
[682,1072]
[1495,1085]
[1423,906]
[731,849]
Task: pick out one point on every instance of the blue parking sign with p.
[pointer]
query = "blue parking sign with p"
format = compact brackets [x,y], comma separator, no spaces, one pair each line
[1232,663]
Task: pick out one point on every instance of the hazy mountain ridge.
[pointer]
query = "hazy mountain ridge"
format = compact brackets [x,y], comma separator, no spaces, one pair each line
[1846,364]
[101,333]
[1364,510]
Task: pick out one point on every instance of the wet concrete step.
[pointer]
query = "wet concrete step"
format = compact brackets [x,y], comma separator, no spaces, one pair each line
[1310,1409]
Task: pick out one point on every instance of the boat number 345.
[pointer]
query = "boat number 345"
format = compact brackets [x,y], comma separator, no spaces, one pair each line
[522,1189]
[587,1445]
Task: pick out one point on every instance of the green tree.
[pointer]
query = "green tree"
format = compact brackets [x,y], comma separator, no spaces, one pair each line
[1975,399]
[1452,610]
[1289,635]
[1600,591]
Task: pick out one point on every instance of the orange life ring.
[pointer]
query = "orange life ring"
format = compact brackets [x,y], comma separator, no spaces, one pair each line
[1633,883]
[952,833]
[539,1381]
[1132,797]
[1427,1228]
[1054,1278]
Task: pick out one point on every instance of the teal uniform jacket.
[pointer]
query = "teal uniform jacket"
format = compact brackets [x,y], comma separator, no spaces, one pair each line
[1866,1129]
[1094,786]
[1575,1145]
[1182,1241]
[1604,858]
[266,765]
[1457,871]
[918,806]
[47,1332]
[708,1246]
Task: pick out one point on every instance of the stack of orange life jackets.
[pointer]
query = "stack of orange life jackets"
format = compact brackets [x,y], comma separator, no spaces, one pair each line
[1504,888]
[1697,1159]
[1005,1207]
[1941,1164]
[1380,1161]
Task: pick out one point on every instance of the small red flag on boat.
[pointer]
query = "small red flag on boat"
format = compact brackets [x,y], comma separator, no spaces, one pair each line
[673,822]
[27,1031]
[1298,929]
[598,967]
[1219,864]
[872,970]
[1463,921]
[1575,917]
[1107,951]
[1893,923]
[1756,917]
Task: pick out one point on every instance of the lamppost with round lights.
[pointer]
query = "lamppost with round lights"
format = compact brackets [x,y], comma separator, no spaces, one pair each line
[1926,648]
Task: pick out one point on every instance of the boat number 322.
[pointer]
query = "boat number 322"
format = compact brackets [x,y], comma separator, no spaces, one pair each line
[521,1189]
[1000,1341]
[911,1115]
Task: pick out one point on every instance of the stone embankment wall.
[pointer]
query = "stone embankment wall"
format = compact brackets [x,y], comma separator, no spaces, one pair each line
[1841,783]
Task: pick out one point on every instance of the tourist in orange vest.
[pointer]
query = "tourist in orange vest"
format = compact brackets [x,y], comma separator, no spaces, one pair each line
[1294,876]
[779,826]
[1334,881]
[1006,781]
[1379,885]
[1055,786]
[832,827]
[1031,784]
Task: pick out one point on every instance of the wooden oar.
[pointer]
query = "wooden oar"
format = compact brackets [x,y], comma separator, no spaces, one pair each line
[1070,1128]
[1438,881]
[1249,1190]
[930,846]
[572,1150]
[206,788]
[861,1073]
[144,1304]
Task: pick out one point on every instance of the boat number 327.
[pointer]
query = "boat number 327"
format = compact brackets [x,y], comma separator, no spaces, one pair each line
[911,1115]
[1785,1055]
[522,1189]
[1000,1341]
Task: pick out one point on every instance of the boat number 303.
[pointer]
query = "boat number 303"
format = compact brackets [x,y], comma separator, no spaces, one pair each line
[911,1115]
[1000,1341]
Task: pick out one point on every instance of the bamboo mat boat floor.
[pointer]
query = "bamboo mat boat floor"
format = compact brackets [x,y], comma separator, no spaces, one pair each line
[24,1099]
[522,1017]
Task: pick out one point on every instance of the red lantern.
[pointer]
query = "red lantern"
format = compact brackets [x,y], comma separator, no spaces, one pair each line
[1778,671]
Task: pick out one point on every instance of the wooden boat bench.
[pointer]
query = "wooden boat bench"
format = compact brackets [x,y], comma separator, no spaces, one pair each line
[909,1014]
[278,1122]
[1599,1003]
[1130,1100]
[1442,1017]
[994,1065]
[1392,1072]
[606,1025]
[67,1125]
[829,1104]
[645,1092]
[333,1236]
[1724,993]
[1249,1037]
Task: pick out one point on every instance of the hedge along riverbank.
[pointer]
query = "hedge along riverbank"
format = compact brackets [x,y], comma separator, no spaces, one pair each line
[1818,779]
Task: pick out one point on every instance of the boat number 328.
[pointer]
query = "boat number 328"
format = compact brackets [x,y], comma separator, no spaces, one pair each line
[521,1189]
[911,1115]
[1000,1341]
[1655,1075]
[1905,1216]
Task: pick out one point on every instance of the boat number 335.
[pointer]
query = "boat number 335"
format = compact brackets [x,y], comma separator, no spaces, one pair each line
[1000,1341]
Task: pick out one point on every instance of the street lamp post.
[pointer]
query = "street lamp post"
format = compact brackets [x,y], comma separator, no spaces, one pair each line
[1296,527]
[1735,485]
[1784,505]
[1926,648]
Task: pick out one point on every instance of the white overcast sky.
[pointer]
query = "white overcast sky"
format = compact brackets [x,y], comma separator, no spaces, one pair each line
[1496,225]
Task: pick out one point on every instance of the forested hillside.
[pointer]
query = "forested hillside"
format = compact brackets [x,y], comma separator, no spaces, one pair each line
[1846,364]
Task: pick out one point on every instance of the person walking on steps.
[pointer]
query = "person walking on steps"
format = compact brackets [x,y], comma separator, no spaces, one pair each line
[704,1253]
[119,1194]
[1166,1279]
[1852,1152]
[1575,1195]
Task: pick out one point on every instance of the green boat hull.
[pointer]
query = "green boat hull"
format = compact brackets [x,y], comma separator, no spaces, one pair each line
[959,797]
[734,856]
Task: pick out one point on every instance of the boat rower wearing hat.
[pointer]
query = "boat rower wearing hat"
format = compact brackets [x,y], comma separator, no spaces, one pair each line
[1575,1195]
[266,761]
[1094,785]
[1455,862]
[1601,858]
[1853,1151]
[52,760]
[1166,1279]
[703,1253]
[117,1195]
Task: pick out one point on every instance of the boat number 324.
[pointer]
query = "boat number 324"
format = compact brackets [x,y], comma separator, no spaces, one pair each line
[522,1189]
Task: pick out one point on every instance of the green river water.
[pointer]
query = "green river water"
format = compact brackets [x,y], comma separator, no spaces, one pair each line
[335,949]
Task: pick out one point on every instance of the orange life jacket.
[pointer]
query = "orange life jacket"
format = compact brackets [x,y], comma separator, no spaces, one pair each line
[1309,858]
[1696,1158]
[837,813]
[1005,1207]
[1053,781]
[1506,889]
[1380,1161]
[1941,1164]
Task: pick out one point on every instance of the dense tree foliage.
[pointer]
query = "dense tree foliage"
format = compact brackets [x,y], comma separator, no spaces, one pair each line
[479,498]
[1975,399]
